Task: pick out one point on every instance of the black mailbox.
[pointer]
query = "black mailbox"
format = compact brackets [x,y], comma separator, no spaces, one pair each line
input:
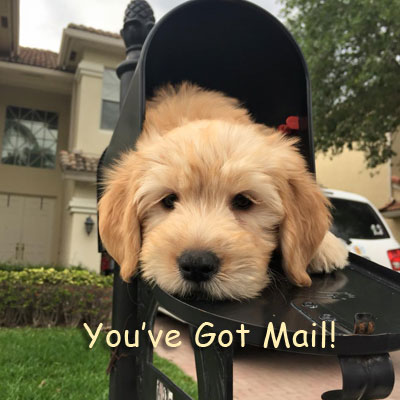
[240,49]
[232,46]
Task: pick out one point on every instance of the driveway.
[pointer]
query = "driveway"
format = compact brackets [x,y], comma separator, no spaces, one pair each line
[267,374]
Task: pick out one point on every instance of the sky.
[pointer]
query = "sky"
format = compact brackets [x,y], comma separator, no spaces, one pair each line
[42,21]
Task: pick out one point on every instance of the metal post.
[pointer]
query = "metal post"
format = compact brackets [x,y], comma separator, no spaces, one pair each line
[124,369]
[138,21]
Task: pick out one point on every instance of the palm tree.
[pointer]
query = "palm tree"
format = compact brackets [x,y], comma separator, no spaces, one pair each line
[20,144]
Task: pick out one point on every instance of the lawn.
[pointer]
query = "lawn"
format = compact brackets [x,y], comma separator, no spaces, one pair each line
[44,364]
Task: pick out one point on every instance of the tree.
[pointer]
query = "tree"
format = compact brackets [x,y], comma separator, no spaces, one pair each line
[21,147]
[352,48]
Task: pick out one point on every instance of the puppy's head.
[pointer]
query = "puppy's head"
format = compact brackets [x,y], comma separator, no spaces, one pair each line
[204,206]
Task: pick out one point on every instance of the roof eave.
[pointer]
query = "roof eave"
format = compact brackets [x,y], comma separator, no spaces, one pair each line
[80,176]
[15,28]
[9,31]
[77,40]
[36,77]
[15,33]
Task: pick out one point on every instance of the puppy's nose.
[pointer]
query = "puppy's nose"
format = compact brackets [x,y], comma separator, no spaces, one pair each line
[198,265]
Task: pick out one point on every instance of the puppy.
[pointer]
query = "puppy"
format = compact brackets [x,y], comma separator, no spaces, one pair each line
[208,196]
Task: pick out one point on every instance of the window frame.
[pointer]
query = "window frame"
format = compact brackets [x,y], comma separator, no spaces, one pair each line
[42,138]
[110,94]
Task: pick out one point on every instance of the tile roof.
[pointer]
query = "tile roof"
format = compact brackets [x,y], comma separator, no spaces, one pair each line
[46,58]
[93,30]
[76,161]
[34,57]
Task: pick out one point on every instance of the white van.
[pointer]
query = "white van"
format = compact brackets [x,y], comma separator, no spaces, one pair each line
[363,228]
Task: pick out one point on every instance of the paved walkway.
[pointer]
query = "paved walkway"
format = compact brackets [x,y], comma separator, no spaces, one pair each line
[268,375]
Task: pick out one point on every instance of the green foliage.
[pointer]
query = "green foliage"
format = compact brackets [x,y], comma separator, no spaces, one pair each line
[353,54]
[40,276]
[49,297]
[44,364]
[186,383]
[18,267]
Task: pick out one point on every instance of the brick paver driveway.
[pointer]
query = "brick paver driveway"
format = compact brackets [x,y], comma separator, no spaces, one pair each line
[265,374]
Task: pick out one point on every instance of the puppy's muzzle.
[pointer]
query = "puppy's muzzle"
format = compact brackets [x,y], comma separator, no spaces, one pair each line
[198,265]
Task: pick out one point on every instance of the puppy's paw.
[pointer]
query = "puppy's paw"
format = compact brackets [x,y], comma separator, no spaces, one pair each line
[331,254]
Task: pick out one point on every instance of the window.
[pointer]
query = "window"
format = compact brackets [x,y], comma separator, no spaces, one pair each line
[30,138]
[110,100]
[356,220]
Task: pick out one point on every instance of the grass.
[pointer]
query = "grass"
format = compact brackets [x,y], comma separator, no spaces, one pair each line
[56,363]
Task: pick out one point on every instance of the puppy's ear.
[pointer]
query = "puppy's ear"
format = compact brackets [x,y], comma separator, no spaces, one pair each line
[118,220]
[306,220]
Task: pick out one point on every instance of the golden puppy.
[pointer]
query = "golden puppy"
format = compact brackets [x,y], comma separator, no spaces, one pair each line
[206,198]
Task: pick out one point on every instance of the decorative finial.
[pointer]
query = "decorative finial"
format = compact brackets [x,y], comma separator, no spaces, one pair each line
[138,21]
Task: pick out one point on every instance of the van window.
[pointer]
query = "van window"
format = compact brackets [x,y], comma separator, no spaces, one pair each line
[353,219]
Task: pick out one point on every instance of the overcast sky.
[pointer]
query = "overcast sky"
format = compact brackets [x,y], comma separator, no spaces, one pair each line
[42,21]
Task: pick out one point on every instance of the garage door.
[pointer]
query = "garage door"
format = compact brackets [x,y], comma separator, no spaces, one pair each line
[26,225]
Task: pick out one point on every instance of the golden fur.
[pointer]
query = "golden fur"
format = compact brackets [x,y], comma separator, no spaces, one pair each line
[204,147]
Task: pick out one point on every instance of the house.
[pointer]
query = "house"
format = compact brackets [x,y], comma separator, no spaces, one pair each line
[57,113]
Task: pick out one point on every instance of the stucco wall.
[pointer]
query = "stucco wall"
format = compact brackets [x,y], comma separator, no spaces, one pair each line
[395,222]
[37,181]
[102,58]
[66,226]
[347,172]
[85,136]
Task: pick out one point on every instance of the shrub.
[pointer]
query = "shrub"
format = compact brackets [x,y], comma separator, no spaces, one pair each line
[7,266]
[48,297]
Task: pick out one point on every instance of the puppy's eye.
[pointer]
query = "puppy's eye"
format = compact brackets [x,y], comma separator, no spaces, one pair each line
[241,202]
[169,201]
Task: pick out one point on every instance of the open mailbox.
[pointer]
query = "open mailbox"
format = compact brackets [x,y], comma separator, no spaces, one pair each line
[240,49]
[231,46]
